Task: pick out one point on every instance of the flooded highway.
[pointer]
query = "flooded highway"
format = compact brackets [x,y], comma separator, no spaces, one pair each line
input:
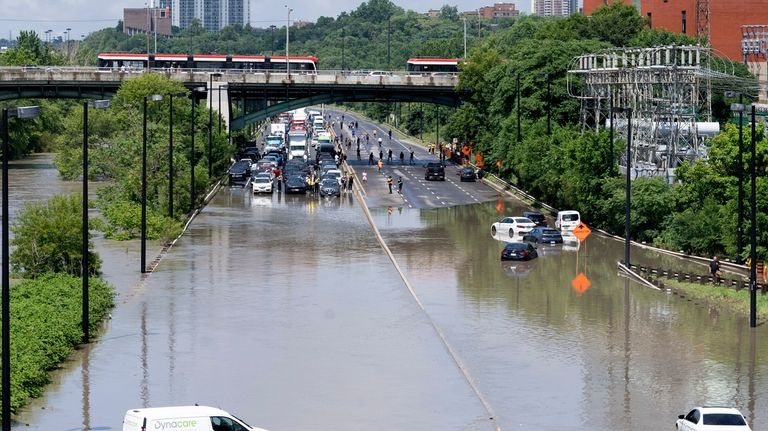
[284,310]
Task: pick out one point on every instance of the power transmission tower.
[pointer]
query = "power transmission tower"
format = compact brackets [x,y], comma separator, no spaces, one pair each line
[669,92]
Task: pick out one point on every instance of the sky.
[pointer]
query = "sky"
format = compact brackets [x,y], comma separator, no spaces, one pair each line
[85,16]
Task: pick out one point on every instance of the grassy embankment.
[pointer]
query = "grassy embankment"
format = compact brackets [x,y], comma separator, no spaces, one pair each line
[722,297]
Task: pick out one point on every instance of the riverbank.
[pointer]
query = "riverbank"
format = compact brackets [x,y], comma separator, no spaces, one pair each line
[720,297]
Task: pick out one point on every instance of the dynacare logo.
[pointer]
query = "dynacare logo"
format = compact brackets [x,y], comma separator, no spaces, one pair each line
[179,424]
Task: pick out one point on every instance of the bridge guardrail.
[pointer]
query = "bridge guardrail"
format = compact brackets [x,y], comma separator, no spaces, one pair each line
[337,77]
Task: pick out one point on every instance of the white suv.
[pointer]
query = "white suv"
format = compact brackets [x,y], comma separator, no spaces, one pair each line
[713,419]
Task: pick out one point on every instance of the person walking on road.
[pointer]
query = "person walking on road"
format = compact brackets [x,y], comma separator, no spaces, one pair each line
[365,177]
[714,270]
[370,159]
[390,134]
[400,185]
[411,160]
[379,142]
[381,154]
[389,183]
[381,164]
[389,155]
[358,152]
[350,182]
[402,158]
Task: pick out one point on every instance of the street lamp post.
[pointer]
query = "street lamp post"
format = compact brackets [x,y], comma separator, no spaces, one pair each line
[549,107]
[627,229]
[753,230]
[154,98]
[465,37]
[24,112]
[517,78]
[170,152]
[342,46]
[272,34]
[86,270]
[210,123]
[68,31]
[389,37]
[610,136]
[739,107]
[195,92]
[287,41]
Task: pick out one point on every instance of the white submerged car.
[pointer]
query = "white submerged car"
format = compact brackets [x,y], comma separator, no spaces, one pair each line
[513,226]
[712,419]
[262,184]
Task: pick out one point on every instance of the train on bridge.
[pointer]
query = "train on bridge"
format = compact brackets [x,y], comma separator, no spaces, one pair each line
[251,63]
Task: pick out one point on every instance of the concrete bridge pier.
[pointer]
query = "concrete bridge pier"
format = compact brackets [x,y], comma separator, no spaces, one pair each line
[218,100]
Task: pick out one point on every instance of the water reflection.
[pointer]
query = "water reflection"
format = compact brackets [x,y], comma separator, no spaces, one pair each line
[565,330]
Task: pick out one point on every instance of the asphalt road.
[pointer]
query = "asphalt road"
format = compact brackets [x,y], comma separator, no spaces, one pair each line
[417,192]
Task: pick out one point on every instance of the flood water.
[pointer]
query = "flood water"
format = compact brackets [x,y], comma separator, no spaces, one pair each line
[285,311]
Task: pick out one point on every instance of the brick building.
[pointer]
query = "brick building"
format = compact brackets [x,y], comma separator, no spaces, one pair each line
[552,7]
[147,20]
[499,10]
[725,19]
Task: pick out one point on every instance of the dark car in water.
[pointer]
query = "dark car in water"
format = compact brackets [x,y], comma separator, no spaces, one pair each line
[544,235]
[240,172]
[434,171]
[519,251]
[330,187]
[536,217]
[467,174]
[295,184]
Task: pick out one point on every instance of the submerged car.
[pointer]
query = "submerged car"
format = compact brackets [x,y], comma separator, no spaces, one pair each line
[519,251]
[513,225]
[712,418]
[536,217]
[544,235]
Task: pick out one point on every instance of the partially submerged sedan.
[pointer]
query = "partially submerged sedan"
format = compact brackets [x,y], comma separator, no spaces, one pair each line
[519,251]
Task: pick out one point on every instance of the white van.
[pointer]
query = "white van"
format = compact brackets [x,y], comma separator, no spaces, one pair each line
[567,220]
[183,418]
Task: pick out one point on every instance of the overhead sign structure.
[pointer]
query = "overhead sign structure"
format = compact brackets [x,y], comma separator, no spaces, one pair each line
[581,232]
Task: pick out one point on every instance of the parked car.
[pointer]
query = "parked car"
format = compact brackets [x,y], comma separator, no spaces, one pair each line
[262,184]
[519,251]
[712,418]
[239,172]
[434,171]
[544,235]
[467,174]
[513,225]
[295,184]
[536,217]
[330,187]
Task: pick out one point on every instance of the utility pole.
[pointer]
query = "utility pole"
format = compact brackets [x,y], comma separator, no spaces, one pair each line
[465,37]
[389,35]
[287,41]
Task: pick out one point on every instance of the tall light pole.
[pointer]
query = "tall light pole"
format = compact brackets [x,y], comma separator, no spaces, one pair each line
[342,46]
[389,38]
[272,34]
[210,123]
[753,230]
[154,98]
[22,113]
[628,193]
[86,270]
[610,135]
[68,31]
[192,192]
[287,42]
[517,78]
[464,18]
[170,151]
[739,107]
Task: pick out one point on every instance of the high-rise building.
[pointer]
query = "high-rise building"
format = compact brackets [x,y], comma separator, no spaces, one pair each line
[552,7]
[212,14]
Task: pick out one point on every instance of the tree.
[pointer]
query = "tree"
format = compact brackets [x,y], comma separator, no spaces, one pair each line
[449,13]
[48,238]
